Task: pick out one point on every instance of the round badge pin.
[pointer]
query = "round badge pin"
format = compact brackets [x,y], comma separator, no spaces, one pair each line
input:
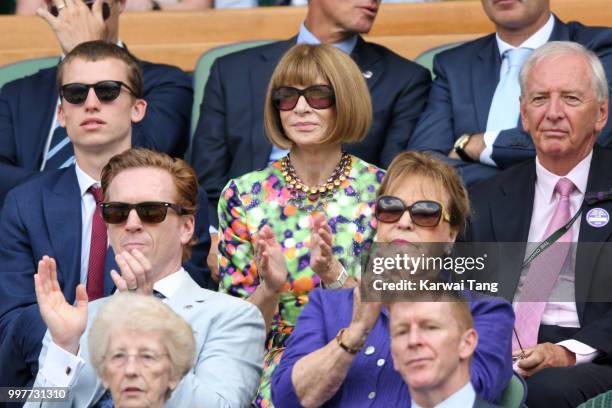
[597,217]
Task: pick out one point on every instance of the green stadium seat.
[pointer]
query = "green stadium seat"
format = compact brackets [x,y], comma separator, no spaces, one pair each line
[601,401]
[426,58]
[515,393]
[21,69]
[202,70]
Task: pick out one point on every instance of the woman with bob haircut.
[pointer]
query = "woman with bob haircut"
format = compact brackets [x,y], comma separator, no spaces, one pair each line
[339,354]
[141,349]
[303,221]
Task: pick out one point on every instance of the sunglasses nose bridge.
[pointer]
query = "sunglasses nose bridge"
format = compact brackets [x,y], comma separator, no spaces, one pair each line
[92,100]
[133,220]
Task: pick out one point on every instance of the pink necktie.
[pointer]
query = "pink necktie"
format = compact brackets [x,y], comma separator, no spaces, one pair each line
[543,272]
[97,250]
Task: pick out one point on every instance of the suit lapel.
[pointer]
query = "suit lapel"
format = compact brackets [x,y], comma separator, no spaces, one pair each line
[586,257]
[511,219]
[485,76]
[560,31]
[36,122]
[62,202]
[369,61]
[260,73]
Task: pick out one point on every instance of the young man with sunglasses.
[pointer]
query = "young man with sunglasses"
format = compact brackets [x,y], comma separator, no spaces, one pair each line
[55,214]
[149,204]
[31,137]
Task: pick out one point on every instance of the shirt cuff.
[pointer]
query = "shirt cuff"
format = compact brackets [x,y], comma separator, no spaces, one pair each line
[212,230]
[60,367]
[485,155]
[584,353]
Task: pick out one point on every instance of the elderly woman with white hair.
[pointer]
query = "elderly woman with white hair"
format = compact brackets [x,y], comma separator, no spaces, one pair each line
[140,349]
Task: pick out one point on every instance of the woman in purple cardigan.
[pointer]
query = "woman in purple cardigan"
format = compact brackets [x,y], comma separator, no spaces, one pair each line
[339,353]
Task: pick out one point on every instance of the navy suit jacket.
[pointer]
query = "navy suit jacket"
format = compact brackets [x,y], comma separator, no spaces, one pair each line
[27,108]
[43,217]
[230,140]
[461,94]
[502,212]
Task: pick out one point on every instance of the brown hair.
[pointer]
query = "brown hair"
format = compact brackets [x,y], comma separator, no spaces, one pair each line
[102,50]
[307,64]
[459,305]
[442,174]
[185,178]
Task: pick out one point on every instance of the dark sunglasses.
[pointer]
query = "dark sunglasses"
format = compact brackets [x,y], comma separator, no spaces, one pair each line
[424,213]
[106,91]
[318,97]
[89,3]
[151,212]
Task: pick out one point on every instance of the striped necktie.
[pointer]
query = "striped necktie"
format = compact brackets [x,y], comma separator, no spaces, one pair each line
[61,153]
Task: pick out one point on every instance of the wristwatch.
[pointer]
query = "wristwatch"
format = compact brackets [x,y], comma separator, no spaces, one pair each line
[339,281]
[459,147]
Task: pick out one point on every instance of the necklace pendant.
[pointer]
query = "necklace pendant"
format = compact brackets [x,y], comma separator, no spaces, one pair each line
[313,195]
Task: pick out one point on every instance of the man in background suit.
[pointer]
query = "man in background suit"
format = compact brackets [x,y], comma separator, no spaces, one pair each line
[28,122]
[55,213]
[563,335]
[472,115]
[230,140]
[435,363]
[229,332]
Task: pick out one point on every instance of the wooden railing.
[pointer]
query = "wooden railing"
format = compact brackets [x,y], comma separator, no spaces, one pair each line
[179,38]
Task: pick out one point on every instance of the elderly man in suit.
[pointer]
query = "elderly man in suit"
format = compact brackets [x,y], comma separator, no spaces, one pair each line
[230,140]
[31,137]
[55,214]
[562,293]
[149,205]
[472,112]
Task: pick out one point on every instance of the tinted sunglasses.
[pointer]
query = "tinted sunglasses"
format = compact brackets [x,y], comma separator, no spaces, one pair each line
[89,3]
[318,97]
[151,212]
[424,213]
[106,91]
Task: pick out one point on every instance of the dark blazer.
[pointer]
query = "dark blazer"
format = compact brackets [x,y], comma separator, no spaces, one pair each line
[502,211]
[43,217]
[27,107]
[480,403]
[461,95]
[230,141]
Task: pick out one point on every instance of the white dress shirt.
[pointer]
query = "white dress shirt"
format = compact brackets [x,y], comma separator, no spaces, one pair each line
[538,39]
[464,398]
[88,207]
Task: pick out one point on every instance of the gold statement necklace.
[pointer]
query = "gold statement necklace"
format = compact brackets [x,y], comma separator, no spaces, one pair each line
[300,191]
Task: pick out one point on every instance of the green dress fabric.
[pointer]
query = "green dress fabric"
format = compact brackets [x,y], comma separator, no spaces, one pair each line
[263,197]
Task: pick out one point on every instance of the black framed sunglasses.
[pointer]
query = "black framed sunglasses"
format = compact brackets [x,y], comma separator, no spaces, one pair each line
[424,213]
[106,91]
[150,212]
[317,96]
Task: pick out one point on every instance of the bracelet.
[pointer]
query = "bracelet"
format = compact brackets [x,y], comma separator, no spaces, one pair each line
[350,350]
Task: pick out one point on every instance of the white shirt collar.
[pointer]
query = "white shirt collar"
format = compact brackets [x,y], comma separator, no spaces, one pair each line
[85,181]
[169,285]
[538,39]
[465,397]
[305,36]
[579,175]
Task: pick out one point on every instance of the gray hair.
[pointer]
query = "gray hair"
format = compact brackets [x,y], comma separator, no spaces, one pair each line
[555,49]
[131,311]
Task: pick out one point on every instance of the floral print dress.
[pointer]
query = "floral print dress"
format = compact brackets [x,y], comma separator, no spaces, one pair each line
[263,197]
